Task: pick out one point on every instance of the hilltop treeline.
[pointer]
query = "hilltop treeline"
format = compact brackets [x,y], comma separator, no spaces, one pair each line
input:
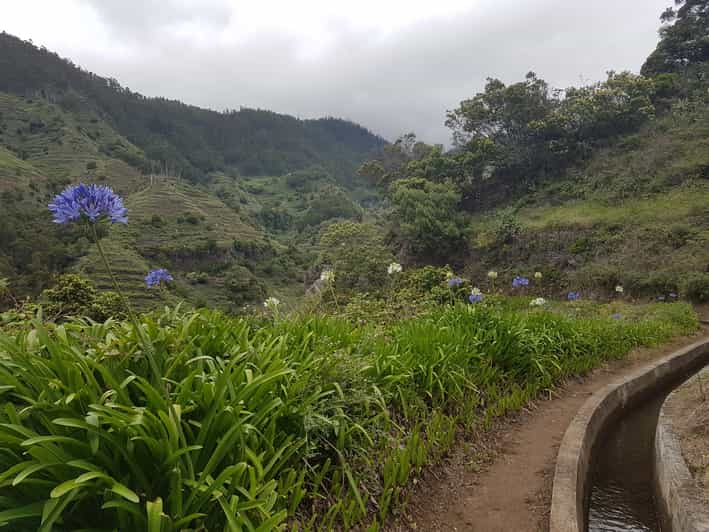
[510,140]
[191,140]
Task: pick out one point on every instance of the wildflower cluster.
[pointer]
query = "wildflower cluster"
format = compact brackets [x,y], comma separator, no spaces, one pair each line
[476,296]
[393,268]
[455,282]
[518,282]
[158,277]
[91,202]
[272,303]
[538,302]
[573,296]
[327,276]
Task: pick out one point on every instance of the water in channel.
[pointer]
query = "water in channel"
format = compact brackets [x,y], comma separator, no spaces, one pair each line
[622,496]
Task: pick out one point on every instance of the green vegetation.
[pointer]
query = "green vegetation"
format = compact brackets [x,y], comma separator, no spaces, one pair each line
[319,412]
[307,421]
[595,185]
[192,142]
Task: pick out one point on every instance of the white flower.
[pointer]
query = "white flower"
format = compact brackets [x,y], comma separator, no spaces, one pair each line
[272,303]
[619,289]
[539,302]
[393,268]
[327,276]
[537,275]
[476,292]
[492,274]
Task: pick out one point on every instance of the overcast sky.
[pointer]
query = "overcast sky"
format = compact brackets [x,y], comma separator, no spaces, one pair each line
[392,65]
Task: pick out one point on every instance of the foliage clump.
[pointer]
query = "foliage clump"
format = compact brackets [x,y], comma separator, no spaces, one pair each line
[73,295]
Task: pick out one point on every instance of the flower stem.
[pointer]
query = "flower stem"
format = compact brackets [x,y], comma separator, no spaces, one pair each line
[147,345]
[148,349]
[334,297]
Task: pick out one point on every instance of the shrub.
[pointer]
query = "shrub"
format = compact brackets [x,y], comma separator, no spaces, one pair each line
[330,202]
[197,277]
[428,216]
[357,253]
[73,295]
[695,287]
[243,285]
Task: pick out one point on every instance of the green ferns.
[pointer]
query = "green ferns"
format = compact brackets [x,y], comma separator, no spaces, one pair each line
[307,423]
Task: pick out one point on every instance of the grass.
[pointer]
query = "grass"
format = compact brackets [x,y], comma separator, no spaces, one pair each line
[307,422]
[674,206]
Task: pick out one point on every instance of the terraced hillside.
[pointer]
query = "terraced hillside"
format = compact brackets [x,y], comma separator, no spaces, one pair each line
[42,139]
[182,227]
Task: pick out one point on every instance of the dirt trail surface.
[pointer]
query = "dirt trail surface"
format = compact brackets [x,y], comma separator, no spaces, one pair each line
[502,481]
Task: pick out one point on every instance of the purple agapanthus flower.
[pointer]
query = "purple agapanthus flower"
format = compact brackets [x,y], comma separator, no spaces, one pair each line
[616,316]
[454,282]
[673,295]
[520,281]
[90,201]
[573,296]
[476,298]
[156,277]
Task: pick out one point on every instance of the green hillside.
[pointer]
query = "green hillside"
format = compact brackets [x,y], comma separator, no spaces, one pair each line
[593,186]
[193,142]
[223,235]
[636,214]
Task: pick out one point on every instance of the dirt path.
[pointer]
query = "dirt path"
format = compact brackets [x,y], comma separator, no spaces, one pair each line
[502,483]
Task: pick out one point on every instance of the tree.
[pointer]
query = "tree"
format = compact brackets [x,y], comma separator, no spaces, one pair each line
[684,39]
[428,216]
[357,254]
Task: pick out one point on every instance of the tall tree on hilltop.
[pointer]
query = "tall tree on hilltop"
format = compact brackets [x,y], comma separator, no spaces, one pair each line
[684,38]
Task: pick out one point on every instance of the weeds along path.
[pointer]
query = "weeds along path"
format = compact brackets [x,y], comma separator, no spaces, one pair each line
[501,481]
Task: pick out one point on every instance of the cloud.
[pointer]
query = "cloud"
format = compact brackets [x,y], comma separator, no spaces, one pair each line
[393,66]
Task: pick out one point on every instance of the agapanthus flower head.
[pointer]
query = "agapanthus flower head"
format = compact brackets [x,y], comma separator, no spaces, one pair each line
[454,282]
[158,277]
[616,316]
[92,202]
[327,276]
[619,289]
[272,303]
[393,268]
[661,298]
[539,302]
[673,295]
[538,275]
[492,274]
[476,295]
[573,296]
[520,281]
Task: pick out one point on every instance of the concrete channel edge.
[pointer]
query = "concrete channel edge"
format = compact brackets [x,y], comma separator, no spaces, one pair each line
[569,494]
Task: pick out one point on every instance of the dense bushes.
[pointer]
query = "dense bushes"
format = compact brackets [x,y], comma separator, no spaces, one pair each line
[73,295]
[257,424]
[357,253]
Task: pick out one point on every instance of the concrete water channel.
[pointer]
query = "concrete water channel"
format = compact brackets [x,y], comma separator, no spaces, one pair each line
[604,479]
[622,492]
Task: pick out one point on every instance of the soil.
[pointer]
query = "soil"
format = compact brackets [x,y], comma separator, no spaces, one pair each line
[693,429]
[501,481]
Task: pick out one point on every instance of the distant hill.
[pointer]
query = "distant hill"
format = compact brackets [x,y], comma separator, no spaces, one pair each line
[192,141]
[230,202]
